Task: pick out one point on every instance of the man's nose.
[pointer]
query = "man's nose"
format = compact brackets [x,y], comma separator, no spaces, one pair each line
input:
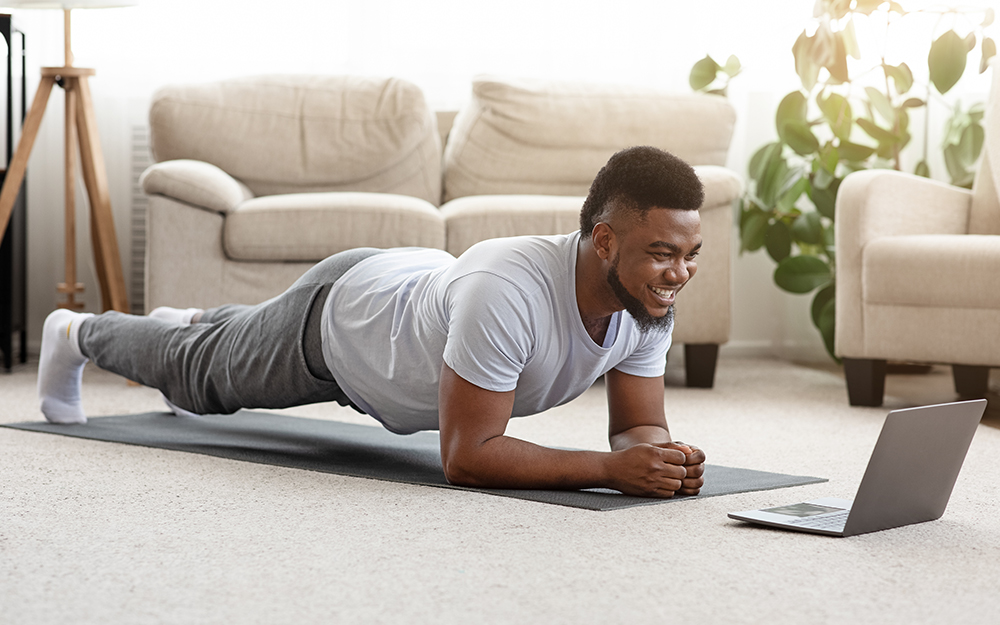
[676,273]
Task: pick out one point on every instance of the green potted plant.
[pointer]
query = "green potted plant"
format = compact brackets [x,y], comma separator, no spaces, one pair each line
[848,117]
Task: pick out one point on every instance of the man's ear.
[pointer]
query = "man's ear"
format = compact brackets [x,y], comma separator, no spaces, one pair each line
[603,239]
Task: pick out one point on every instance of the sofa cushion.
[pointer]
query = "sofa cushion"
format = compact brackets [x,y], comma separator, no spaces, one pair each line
[312,226]
[950,271]
[472,219]
[288,134]
[551,138]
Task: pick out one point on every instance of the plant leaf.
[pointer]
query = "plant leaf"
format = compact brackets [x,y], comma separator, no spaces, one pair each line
[703,73]
[838,64]
[854,151]
[754,230]
[778,241]
[912,103]
[807,228]
[788,198]
[800,138]
[759,161]
[881,104]
[792,126]
[988,17]
[922,169]
[829,157]
[851,40]
[802,274]
[775,177]
[837,111]
[805,66]
[823,296]
[989,51]
[827,327]
[867,7]
[970,42]
[946,60]
[901,76]
[732,66]
[792,108]
[825,201]
[875,132]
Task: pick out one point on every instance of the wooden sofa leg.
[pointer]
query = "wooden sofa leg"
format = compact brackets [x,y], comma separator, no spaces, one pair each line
[865,381]
[971,382]
[699,364]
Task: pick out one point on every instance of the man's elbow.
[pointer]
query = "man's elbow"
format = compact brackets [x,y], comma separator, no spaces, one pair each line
[461,471]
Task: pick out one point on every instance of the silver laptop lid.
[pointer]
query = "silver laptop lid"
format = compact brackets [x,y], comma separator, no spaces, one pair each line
[914,466]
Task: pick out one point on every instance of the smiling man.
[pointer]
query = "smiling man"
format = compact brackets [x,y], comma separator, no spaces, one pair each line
[421,340]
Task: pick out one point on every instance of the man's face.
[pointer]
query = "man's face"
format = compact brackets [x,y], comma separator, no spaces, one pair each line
[653,260]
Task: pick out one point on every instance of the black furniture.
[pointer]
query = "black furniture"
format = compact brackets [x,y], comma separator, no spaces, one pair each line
[13,248]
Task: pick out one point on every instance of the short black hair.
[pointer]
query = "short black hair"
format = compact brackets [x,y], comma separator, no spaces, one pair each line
[637,179]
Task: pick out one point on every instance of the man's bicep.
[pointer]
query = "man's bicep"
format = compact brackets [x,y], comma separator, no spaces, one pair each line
[634,401]
[491,331]
[468,416]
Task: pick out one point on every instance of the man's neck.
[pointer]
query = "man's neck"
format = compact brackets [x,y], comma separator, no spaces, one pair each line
[592,292]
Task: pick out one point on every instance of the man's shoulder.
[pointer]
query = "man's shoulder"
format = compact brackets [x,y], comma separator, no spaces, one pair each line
[520,257]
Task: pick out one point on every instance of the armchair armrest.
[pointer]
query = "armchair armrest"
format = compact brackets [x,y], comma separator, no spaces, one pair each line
[197,183]
[881,203]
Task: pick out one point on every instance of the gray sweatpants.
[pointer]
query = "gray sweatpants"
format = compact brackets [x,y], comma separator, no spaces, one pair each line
[263,356]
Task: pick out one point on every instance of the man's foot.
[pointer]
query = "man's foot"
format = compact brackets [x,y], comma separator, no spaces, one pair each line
[179,316]
[60,371]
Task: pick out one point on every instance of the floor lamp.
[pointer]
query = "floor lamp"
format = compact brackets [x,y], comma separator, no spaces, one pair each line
[81,130]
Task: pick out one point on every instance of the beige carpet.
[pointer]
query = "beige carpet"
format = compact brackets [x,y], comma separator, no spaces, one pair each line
[95,532]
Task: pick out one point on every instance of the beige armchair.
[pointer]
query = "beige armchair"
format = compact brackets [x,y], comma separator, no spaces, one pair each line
[918,273]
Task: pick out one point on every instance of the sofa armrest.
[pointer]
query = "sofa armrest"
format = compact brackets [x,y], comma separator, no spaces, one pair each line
[197,183]
[722,185]
[883,203]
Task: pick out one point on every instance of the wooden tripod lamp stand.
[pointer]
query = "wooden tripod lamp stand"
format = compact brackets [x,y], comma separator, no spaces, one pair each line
[81,130]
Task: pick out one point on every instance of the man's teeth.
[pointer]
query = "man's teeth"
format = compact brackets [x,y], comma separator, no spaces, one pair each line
[665,293]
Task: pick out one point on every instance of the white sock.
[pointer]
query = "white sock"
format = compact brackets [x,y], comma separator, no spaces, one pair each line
[60,371]
[180,316]
[177,410]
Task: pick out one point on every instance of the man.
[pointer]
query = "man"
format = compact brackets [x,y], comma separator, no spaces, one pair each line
[421,340]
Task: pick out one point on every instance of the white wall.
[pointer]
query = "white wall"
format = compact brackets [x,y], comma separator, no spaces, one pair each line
[440,45]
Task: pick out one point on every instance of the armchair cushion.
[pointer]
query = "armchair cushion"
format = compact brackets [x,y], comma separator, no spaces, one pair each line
[288,134]
[551,138]
[196,183]
[312,226]
[952,271]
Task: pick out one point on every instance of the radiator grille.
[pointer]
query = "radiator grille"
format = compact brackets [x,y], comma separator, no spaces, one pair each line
[141,158]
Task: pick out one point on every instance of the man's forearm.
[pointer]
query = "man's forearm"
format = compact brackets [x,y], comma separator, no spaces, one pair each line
[649,434]
[507,462]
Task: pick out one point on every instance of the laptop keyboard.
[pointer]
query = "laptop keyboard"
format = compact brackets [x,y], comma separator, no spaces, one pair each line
[834,521]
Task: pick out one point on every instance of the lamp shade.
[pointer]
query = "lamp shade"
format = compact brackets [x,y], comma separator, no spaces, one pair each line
[66,4]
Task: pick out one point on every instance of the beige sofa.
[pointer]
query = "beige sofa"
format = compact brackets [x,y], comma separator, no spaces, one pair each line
[257,179]
[918,273]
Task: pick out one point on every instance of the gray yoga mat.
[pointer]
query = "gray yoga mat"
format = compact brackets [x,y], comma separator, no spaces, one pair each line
[359,451]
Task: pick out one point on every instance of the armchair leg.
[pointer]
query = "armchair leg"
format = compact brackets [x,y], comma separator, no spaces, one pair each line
[699,364]
[971,382]
[865,381]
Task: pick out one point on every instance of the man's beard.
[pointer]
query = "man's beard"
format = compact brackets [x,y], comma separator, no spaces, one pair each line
[643,320]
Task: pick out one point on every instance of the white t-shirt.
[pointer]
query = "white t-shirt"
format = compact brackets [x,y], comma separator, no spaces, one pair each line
[503,316]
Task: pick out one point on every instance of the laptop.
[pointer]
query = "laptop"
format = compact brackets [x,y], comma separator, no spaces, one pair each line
[909,478]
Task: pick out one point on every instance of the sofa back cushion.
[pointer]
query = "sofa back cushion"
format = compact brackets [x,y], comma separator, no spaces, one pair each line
[291,134]
[551,138]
